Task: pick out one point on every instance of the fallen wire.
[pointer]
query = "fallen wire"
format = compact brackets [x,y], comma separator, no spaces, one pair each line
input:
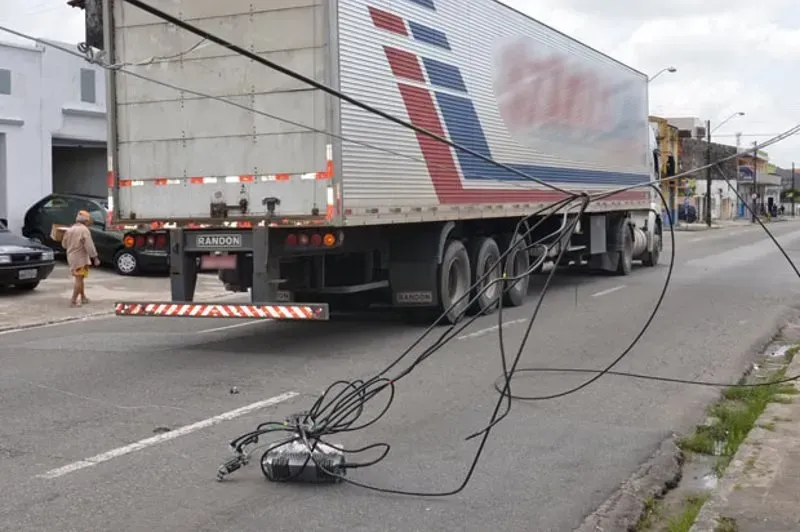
[336,412]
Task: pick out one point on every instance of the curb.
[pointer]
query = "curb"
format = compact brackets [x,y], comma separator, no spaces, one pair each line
[712,510]
[56,321]
[654,478]
[83,317]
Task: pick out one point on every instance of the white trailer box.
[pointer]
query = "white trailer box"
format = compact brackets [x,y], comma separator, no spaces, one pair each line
[474,71]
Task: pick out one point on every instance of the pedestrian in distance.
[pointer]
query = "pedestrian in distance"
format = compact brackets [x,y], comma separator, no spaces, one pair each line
[81,254]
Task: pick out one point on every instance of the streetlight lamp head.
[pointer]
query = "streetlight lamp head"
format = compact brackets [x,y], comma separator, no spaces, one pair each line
[740,113]
[672,69]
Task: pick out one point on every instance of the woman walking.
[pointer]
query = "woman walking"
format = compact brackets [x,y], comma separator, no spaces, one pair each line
[81,254]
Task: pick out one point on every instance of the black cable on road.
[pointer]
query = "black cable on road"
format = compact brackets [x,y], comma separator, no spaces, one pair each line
[339,412]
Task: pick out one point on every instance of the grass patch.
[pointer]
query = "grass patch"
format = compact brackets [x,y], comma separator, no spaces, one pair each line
[726,524]
[790,353]
[735,416]
[700,442]
[692,507]
[650,515]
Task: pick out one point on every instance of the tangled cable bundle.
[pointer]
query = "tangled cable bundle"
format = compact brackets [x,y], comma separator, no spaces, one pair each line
[341,407]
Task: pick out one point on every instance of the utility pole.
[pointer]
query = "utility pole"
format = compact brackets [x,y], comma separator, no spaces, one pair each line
[793,189]
[756,210]
[708,173]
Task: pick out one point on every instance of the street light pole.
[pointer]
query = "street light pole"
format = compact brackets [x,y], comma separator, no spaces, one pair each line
[792,189]
[671,70]
[756,198]
[708,173]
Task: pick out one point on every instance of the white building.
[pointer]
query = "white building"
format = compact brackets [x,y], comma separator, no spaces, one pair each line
[52,127]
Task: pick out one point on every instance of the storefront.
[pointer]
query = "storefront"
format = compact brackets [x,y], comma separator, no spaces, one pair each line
[669,162]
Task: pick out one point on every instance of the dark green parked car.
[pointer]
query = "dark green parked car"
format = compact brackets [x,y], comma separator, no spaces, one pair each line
[62,209]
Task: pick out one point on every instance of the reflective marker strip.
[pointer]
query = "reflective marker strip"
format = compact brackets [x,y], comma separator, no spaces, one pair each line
[249,178]
[191,310]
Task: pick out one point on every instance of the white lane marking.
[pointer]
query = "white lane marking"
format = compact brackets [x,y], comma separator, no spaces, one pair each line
[167,436]
[226,327]
[491,329]
[609,291]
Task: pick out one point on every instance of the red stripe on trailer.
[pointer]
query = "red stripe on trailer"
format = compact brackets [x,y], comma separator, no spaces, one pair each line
[311,311]
[388,21]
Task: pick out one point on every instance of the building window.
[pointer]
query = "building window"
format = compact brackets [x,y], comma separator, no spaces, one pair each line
[5,81]
[88,86]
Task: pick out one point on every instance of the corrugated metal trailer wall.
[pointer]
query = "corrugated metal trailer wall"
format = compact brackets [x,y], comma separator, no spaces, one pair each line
[176,152]
[449,67]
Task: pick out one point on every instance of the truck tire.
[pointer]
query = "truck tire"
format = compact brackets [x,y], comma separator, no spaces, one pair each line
[625,263]
[454,282]
[484,257]
[516,263]
[651,258]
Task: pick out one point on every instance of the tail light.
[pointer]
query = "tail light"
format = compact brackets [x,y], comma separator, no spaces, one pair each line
[157,241]
[312,240]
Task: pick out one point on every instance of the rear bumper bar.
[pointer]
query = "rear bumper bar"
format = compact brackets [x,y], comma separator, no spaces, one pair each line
[271,311]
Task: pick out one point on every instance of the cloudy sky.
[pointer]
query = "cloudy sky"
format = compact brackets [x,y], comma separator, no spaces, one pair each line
[731,55]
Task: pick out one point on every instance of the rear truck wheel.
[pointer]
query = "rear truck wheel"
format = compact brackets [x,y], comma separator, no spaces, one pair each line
[484,257]
[516,263]
[126,262]
[651,258]
[625,262]
[454,283]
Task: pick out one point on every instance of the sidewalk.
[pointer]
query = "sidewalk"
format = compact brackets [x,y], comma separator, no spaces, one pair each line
[760,491]
[722,224]
[49,303]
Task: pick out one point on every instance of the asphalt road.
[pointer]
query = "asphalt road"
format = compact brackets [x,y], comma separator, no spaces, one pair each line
[76,398]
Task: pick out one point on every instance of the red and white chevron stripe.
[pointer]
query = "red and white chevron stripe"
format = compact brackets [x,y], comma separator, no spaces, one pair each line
[215,310]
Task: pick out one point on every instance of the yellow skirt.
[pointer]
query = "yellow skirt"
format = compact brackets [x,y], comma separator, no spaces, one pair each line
[83,271]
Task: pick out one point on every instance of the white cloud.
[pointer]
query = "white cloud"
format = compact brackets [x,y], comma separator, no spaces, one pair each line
[731,55]
[675,9]
[52,19]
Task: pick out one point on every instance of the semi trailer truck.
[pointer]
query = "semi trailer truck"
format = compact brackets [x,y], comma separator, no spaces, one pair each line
[311,204]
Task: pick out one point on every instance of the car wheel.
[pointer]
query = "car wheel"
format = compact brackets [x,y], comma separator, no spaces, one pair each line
[27,287]
[126,262]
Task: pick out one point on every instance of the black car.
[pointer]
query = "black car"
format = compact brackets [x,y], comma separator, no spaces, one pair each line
[23,263]
[62,209]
